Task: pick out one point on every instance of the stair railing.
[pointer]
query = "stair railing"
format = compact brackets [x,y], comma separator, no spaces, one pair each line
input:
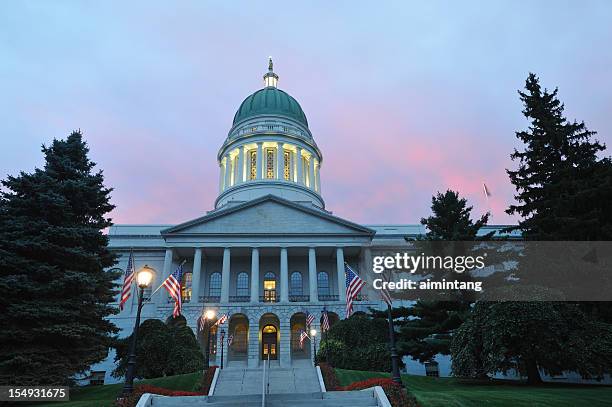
[265,381]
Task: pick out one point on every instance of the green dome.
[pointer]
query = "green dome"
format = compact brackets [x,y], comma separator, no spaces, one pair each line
[270,101]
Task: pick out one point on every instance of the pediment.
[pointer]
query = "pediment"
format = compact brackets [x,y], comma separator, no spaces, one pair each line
[269,215]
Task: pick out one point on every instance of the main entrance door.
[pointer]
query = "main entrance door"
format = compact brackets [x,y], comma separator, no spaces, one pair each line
[269,342]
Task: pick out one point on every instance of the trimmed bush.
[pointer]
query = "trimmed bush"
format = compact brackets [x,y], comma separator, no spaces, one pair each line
[329,377]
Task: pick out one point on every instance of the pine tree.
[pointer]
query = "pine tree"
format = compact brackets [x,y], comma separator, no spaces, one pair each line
[54,290]
[428,330]
[563,189]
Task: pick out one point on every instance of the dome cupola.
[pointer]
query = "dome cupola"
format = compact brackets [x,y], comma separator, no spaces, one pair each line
[269,150]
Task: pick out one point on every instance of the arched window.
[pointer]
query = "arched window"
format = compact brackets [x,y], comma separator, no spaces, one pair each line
[323,283]
[242,285]
[239,342]
[214,288]
[186,287]
[296,287]
[269,287]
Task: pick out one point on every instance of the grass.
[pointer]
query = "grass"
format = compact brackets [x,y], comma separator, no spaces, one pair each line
[103,396]
[451,392]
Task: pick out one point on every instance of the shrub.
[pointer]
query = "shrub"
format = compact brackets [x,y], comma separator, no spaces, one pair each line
[162,350]
[374,357]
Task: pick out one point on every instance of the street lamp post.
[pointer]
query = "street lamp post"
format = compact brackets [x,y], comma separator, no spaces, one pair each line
[395,374]
[143,278]
[313,335]
[208,316]
[222,343]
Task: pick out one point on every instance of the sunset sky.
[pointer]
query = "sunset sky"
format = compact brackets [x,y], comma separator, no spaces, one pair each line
[403,98]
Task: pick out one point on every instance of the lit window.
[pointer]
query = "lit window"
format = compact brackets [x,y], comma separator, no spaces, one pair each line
[186,287]
[242,285]
[214,288]
[269,163]
[296,283]
[323,283]
[287,165]
[270,287]
[253,165]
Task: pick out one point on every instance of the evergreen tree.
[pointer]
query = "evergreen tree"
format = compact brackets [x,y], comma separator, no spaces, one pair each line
[427,329]
[563,189]
[54,292]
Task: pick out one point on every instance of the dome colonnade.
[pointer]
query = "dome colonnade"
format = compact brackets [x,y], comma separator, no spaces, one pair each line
[269,149]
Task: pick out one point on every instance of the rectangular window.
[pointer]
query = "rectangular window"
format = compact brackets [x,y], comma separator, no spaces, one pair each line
[97,378]
[270,163]
[186,287]
[287,165]
[253,164]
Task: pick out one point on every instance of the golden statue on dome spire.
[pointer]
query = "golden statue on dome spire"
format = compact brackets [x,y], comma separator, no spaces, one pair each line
[270,78]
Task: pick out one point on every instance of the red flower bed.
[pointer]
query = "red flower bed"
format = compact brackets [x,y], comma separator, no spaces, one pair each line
[396,394]
[141,389]
[147,388]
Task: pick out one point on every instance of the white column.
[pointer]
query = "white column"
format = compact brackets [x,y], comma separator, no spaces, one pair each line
[221,176]
[260,160]
[280,167]
[228,171]
[284,275]
[197,271]
[318,176]
[255,275]
[340,271]
[225,276]
[298,166]
[162,294]
[312,274]
[311,176]
[240,179]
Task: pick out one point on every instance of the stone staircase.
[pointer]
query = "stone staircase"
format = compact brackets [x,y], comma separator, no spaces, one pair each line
[297,386]
[234,382]
[363,398]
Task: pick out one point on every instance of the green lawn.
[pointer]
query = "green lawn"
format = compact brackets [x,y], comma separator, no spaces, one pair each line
[103,396]
[449,392]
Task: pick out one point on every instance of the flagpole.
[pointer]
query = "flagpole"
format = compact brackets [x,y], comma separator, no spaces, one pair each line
[395,374]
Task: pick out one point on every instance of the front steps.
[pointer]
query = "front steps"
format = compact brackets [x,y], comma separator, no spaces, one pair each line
[234,381]
[362,398]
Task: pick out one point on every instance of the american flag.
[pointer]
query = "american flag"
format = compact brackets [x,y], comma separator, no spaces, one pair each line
[173,285]
[325,324]
[222,319]
[309,318]
[384,292]
[230,340]
[127,281]
[303,336]
[353,285]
